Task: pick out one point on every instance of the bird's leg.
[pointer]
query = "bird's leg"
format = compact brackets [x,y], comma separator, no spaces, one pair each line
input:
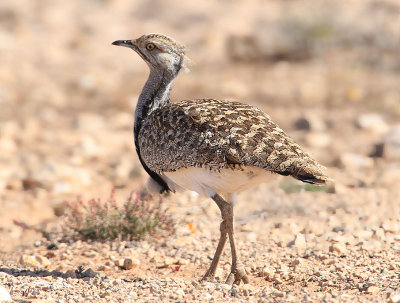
[210,274]
[238,272]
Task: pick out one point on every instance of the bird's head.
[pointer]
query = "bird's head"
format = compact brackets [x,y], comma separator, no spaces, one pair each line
[160,52]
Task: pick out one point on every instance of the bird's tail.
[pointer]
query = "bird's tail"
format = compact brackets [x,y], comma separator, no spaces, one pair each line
[311,174]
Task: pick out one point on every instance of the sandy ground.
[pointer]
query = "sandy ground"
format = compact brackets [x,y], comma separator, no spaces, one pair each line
[327,74]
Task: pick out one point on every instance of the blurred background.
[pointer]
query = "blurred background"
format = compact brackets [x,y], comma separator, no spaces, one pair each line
[326,72]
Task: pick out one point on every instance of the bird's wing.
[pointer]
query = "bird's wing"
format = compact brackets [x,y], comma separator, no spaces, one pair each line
[218,134]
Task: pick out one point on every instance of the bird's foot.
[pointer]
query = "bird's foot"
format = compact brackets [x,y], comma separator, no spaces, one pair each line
[208,277]
[237,275]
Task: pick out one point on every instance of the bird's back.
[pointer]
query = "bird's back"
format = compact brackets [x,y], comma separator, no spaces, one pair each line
[219,134]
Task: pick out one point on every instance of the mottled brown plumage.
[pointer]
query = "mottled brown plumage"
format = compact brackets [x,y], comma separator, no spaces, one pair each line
[219,134]
[210,146]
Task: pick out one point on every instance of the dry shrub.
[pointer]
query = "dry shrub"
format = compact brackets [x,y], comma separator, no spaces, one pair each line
[133,220]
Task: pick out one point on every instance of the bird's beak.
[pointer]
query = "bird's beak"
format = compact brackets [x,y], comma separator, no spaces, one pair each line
[126,43]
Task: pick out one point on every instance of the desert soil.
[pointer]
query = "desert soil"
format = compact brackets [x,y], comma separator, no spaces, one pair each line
[328,74]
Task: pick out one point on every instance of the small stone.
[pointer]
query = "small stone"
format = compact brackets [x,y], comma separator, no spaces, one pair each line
[4,295]
[104,268]
[277,279]
[105,294]
[219,274]
[295,262]
[394,298]
[391,226]
[364,234]
[50,254]
[299,242]
[380,234]
[180,293]
[337,248]
[337,229]
[43,261]
[59,209]
[52,246]
[373,290]
[207,296]
[119,262]
[391,144]
[373,123]
[183,261]
[268,273]
[128,264]
[310,123]
[35,261]
[89,273]
[70,274]
[170,261]
[279,294]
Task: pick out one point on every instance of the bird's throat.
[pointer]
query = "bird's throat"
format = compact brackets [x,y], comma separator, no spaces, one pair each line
[155,94]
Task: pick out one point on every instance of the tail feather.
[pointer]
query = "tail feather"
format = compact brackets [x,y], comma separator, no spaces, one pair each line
[312,175]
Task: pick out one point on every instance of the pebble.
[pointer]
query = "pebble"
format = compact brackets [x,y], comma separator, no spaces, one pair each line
[391,226]
[268,273]
[4,295]
[390,144]
[295,262]
[128,264]
[104,268]
[279,294]
[373,290]
[373,123]
[337,248]
[59,208]
[35,261]
[207,296]
[310,122]
[183,262]
[170,261]
[394,298]
[299,242]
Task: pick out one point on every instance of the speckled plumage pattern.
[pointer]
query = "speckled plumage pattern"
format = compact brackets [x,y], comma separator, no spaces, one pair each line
[219,134]
[210,146]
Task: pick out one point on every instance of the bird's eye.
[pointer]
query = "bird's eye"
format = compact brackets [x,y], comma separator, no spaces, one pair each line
[150,46]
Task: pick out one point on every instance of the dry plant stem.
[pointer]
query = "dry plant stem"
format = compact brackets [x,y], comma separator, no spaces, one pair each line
[238,272]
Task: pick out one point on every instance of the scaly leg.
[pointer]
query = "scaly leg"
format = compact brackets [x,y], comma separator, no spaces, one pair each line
[238,272]
[210,274]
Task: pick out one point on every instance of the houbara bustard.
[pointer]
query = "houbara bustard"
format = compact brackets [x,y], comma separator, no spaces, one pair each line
[213,147]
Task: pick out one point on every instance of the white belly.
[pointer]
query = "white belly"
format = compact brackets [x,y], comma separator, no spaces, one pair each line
[208,182]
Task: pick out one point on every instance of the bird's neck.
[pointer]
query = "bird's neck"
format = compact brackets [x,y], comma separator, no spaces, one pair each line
[155,94]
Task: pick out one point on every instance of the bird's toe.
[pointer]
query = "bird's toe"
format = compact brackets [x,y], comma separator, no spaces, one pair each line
[237,275]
